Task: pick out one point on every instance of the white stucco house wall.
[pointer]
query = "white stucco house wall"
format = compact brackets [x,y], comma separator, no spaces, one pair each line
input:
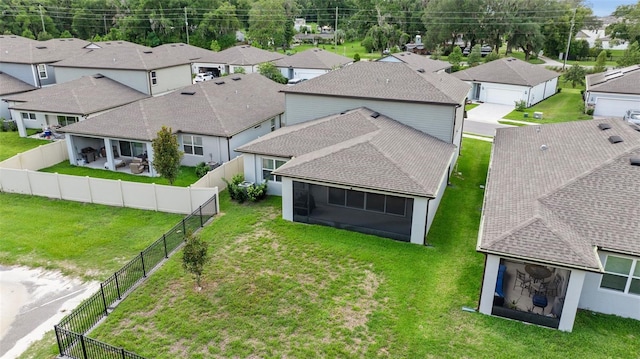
[613,92]
[310,63]
[592,37]
[558,230]
[245,57]
[507,80]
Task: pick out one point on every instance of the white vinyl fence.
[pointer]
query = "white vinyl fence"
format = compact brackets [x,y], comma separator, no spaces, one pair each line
[18,175]
[227,170]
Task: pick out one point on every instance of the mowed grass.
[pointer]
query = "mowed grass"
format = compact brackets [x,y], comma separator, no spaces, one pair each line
[186,177]
[281,289]
[87,241]
[11,144]
[561,107]
[348,49]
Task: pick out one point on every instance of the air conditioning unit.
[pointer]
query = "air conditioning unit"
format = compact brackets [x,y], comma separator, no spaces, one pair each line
[537,115]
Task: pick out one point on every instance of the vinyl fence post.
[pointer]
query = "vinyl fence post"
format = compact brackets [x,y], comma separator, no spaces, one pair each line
[144,272]
[164,241]
[118,286]
[104,300]
[84,350]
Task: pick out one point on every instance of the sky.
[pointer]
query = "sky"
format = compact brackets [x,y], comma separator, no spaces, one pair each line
[606,7]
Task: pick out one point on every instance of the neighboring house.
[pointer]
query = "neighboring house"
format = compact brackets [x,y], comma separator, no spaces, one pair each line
[299,23]
[431,103]
[311,63]
[202,60]
[357,170]
[614,92]
[68,103]
[210,118]
[508,80]
[30,60]
[9,86]
[247,57]
[313,38]
[418,62]
[153,71]
[560,223]
[592,37]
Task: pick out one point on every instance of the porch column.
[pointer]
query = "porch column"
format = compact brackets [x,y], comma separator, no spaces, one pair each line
[287,199]
[571,299]
[149,149]
[22,130]
[489,283]
[419,220]
[71,149]
[109,151]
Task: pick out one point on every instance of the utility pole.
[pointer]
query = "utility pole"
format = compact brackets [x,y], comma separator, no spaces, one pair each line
[186,24]
[42,18]
[573,22]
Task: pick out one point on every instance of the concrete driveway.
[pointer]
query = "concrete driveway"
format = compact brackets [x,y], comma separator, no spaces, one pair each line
[489,112]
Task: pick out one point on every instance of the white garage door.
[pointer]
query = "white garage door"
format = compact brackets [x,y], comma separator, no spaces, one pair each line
[505,97]
[614,107]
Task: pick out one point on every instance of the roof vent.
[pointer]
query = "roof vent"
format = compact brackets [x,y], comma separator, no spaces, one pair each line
[41,47]
[635,160]
[237,78]
[219,82]
[98,76]
[615,139]
[148,52]
[190,93]
[375,115]
[544,148]
[421,70]
[604,126]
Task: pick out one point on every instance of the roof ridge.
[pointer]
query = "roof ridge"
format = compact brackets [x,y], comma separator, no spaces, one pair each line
[396,164]
[509,64]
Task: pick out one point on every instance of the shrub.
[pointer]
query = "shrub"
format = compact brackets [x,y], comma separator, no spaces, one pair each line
[256,193]
[521,105]
[252,193]
[590,111]
[202,169]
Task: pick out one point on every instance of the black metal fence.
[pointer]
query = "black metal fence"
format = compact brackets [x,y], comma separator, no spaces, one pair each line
[70,331]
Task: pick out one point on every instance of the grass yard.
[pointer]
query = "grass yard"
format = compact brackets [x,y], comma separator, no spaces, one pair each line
[281,289]
[470,106]
[87,241]
[348,49]
[520,56]
[11,144]
[561,107]
[186,178]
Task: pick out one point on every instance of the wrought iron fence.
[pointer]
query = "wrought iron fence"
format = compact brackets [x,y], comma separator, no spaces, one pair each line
[70,332]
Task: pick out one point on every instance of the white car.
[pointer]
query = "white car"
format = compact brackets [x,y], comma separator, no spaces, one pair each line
[203,76]
[632,116]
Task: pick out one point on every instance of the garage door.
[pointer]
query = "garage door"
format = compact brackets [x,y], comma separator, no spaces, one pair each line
[505,97]
[614,107]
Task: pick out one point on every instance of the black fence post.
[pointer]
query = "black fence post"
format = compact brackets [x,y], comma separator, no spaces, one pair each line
[55,327]
[118,286]
[104,300]
[144,272]
[123,354]
[201,221]
[164,240]
[184,229]
[84,350]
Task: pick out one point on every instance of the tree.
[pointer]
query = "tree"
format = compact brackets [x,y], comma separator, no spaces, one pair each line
[455,58]
[266,23]
[474,56]
[195,256]
[601,62]
[436,54]
[356,57]
[631,56]
[575,74]
[166,154]
[270,71]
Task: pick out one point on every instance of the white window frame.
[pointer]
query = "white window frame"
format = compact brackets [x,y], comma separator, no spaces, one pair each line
[273,124]
[269,165]
[193,142]
[28,116]
[630,277]
[154,78]
[42,71]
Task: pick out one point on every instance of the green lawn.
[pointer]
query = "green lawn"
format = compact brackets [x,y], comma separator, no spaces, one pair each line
[348,49]
[470,106]
[82,240]
[561,107]
[11,144]
[520,56]
[186,178]
[281,289]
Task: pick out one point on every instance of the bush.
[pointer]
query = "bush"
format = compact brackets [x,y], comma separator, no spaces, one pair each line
[252,193]
[202,169]
[590,111]
[256,193]
[521,105]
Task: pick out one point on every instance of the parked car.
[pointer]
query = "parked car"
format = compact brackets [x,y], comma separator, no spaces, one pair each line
[484,50]
[203,76]
[632,116]
[295,81]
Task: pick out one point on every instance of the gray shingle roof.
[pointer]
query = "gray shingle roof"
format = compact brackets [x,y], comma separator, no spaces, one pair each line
[17,49]
[556,205]
[11,85]
[205,108]
[386,81]
[84,96]
[188,52]
[314,59]
[124,58]
[245,55]
[507,71]
[421,62]
[355,149]
[623,80]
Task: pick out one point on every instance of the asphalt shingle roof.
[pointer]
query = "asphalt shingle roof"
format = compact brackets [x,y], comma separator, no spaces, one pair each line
[17,49]
[205,108]
[421,62]
[84,96]
[625,80]
[507,71]
[355,149]
[556,204]
[125,58]
[386,81]
[245,55]
[11,85]
[187,52]
[314,59]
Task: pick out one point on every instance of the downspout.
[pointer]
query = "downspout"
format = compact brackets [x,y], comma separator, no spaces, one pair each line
[529,97]
[426,225]
[228,149]
[482,281]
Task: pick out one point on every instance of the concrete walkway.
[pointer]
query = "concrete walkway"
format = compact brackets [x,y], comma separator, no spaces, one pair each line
[489,112]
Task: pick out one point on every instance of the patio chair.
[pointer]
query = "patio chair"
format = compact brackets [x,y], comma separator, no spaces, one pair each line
[523,280]
[136,167]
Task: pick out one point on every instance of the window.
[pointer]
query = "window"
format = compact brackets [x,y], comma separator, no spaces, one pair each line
[273,124]
[42,71]
[621,274]
[192,145]
[28,116]
[66,120]
[132,149]
[154,78]
[373,202]
[269,165]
